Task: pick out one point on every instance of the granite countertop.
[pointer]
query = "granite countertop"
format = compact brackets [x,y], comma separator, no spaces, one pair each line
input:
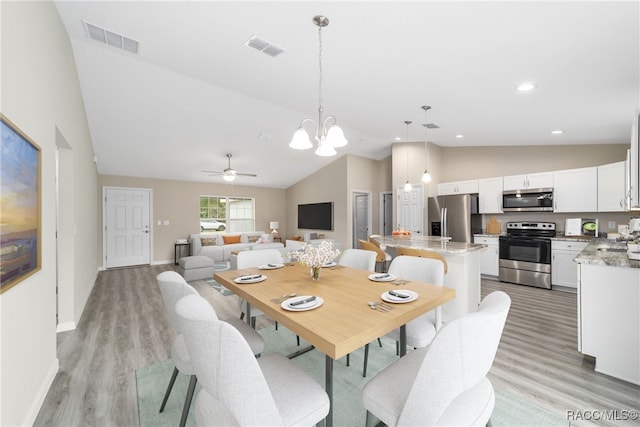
[561,236]
[592,255]
[489,235]
[437,244]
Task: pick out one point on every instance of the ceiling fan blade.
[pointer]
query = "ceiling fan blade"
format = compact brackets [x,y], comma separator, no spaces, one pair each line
[214,172]
[247,174]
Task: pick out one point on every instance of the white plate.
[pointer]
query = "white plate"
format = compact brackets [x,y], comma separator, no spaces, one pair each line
[390,298]
[302,307]
[382,277]
[270,266]
[330,264]
[260,278]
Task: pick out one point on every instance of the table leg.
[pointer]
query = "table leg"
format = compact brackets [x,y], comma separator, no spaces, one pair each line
[328,421]
[248,313]
[403,340]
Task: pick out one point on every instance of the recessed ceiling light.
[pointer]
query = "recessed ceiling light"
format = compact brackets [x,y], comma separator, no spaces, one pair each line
[525,87]
[459,135]
[557,132]
[397,138]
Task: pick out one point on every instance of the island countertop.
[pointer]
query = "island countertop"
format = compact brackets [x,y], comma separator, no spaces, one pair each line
[597,253]
[434,243]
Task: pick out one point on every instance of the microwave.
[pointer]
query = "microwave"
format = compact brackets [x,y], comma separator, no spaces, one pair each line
[528,200]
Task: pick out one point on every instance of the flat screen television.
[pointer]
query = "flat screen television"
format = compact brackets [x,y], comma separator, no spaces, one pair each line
[316,216]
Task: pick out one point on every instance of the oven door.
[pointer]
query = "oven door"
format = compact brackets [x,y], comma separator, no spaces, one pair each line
[525,261]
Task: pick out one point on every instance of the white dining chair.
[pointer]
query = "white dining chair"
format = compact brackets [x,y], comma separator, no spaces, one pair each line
[421,330]
[173,287]
[238,389]
[358,258]
[444,384]
[253,259]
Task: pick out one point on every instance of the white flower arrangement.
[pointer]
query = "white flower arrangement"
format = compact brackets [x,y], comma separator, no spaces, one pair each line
[315,256]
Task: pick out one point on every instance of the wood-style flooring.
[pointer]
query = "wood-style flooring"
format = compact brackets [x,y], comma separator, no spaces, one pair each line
[124,327]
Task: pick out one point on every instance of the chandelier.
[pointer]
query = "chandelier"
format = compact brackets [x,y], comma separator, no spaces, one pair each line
[327,139]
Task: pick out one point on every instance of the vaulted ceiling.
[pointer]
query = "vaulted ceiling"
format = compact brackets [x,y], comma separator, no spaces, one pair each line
[194,91]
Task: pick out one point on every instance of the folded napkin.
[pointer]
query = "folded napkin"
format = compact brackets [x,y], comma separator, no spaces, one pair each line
[244,278]
[399,295]
[302,301]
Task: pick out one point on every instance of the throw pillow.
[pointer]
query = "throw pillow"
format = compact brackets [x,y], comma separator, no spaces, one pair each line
[208,241]
[253,238]
[231,239]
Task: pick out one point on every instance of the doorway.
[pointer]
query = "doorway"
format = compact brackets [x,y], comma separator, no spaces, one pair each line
[410,209]
[386,213]
[361,217]
[127,235]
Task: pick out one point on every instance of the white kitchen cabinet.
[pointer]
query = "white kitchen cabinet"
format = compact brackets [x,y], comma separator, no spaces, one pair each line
[612,187]
[529,181]
[609,319]
[458,187]
[575,190]
[490,195]
[489,257]
[564,272]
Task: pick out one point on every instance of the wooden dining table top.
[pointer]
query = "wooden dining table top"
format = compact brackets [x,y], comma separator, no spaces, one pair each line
[345,322]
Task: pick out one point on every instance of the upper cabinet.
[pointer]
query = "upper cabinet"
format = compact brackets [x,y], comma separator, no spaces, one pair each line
[490,195]
[575,190]
[458,187]
[532,180]
[612,189]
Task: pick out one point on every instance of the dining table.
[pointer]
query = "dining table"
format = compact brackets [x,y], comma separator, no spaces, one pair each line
[342,319]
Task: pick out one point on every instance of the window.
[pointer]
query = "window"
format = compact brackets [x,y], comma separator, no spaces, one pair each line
[223,213]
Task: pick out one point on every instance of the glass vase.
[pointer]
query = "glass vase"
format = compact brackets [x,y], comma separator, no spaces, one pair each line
[315,273]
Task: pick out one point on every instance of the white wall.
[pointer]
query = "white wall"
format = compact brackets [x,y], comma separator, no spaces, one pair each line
[41,95]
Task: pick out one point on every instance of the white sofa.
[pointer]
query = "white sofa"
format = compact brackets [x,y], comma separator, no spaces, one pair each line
[212,245]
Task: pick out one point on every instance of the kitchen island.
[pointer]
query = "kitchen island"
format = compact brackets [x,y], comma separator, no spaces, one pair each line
[464,269]
[609,309]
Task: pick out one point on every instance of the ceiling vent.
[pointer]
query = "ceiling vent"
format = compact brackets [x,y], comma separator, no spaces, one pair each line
[112,39]
[432,126]
[264,46]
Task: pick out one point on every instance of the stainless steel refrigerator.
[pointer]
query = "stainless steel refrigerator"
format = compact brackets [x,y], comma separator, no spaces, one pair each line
[454,216]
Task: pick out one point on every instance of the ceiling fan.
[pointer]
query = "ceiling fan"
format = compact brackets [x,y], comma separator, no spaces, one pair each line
[229,174]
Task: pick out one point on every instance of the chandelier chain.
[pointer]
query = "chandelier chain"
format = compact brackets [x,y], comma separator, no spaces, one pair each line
[320,100]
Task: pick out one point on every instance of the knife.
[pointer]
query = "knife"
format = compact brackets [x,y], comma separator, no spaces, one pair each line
[395,294]
[302,301]
[251,277]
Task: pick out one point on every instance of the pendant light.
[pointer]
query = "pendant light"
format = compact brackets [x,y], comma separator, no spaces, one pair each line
[327,139]
[426,176]
[407,185]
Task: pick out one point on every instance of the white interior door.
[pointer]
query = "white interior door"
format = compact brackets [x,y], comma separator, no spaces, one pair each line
[361,217]
[410,209]
[127,232]
[387,213]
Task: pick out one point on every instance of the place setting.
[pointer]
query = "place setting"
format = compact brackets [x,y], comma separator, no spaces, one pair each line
[382,277]
[302,303]
[399,296]
[270,266]
[250,278]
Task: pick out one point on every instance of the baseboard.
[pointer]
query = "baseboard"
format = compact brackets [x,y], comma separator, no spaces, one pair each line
[66,326]
[42,394]
[169,261]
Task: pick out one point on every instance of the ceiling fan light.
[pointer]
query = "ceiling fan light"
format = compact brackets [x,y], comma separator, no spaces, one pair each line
[325,150]
[335,137]
[229,177]
[426,177]
[300,140]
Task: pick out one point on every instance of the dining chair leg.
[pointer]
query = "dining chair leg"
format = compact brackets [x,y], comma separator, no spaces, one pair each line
[174,375]
[371,420]
[187,401]
[276,326]
[379,342]
[242,315]
[366,359]
[253,322]
[298,340]
[348,354]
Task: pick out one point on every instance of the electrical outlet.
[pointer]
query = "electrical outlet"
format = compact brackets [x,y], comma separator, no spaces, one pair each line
[159,222]
[612,225]
[166,222]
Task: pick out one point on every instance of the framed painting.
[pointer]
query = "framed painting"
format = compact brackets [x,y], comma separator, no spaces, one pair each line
[20,206]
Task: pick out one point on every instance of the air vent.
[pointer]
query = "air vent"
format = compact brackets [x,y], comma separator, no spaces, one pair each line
[112,39]
[432,126]
[264,46]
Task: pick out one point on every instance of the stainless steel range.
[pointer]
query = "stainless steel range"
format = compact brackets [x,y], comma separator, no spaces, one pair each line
[525,253]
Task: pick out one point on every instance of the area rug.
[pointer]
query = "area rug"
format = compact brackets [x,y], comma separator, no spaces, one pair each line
[218,287]
[510,410]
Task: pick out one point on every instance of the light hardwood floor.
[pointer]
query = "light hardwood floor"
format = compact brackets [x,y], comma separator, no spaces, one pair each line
[124,327]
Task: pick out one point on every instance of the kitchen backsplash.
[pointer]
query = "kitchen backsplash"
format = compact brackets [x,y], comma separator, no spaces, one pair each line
[603,218]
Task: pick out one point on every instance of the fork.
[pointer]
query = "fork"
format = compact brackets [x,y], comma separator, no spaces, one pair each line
[380,306]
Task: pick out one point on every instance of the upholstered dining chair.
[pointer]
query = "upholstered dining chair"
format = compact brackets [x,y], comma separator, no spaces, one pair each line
[252,259]
[421,330]
[238,389]
[445,383]
[381,257]
[358,258]
[173,287]
[424,253]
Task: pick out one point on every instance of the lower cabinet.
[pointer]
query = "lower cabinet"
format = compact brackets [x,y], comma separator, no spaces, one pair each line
[564,272]
[489,258]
